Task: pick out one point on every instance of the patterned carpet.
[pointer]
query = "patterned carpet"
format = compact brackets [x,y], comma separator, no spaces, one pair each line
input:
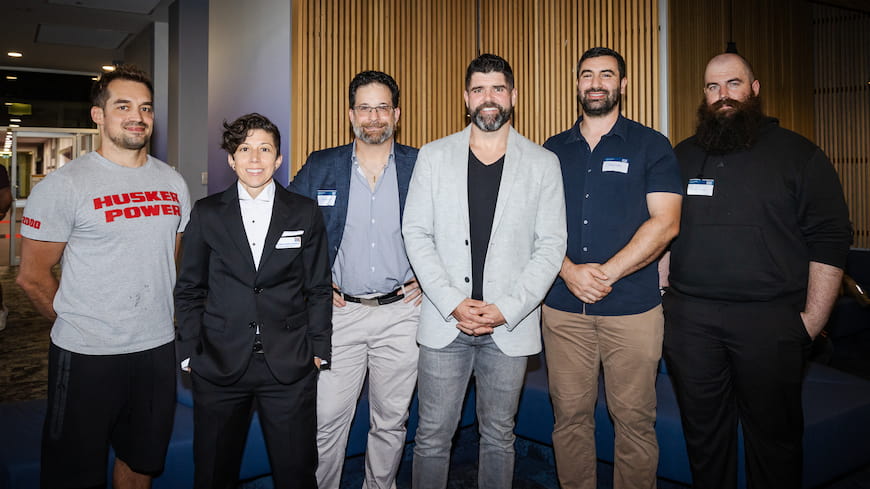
[23,345]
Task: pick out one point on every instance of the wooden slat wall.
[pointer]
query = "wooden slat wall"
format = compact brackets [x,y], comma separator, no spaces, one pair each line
[774,35]
[426,45]
[544,40]
[842,100]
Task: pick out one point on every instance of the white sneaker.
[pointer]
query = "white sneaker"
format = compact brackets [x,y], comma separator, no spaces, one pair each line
[3,315]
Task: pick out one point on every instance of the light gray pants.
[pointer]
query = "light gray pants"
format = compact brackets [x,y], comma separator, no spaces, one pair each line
[444,376]
[380,340]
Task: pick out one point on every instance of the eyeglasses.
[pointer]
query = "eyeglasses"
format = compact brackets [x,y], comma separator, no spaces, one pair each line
[380,109]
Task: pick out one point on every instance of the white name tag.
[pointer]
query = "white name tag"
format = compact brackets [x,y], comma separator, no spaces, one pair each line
[326,198]
[293,233]
[700,186]
[289,242]
[619,165]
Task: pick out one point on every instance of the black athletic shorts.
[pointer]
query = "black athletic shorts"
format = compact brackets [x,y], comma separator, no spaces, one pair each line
[126,401]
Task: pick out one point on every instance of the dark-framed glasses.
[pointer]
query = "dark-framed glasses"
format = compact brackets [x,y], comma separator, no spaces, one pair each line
[379,109]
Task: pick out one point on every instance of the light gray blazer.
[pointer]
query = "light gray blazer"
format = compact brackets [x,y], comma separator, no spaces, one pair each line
[526,246]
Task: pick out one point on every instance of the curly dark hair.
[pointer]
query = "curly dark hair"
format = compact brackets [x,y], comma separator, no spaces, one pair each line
[100,88]
[489,63]
[364,78]
[237,131]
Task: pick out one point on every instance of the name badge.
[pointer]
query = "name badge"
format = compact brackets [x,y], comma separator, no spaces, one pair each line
[619,165]
[700,186]
[326,198]
[289,242]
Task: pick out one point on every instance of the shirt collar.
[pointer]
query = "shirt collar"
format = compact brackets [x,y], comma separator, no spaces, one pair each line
[355,160]
[620,128]
[265,195]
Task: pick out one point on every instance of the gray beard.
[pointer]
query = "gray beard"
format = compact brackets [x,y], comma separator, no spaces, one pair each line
[494,123]
[360,133]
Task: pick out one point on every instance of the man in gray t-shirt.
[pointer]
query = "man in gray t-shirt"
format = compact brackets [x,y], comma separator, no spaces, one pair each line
[113,217]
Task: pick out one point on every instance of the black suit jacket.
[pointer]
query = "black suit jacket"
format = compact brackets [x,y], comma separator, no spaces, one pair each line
[220,297]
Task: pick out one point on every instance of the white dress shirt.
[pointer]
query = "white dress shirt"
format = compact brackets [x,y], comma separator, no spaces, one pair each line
[256,216]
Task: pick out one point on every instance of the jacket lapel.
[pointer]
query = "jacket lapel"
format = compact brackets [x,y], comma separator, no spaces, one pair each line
[459,159]
[512,162]
[232,220]
[280,215]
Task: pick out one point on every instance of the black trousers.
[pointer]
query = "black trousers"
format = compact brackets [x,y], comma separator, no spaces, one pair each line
[222,415]
[738,361]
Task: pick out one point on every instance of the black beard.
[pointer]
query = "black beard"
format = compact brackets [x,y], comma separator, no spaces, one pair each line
[736,130]
[606,105]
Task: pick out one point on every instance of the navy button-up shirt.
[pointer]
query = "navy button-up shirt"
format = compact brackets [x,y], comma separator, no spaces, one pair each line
[605,200]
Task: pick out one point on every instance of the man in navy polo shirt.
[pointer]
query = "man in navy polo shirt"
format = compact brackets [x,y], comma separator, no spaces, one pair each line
[622,193]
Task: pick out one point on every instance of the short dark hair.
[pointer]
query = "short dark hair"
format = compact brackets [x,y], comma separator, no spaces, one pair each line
[237,131]
[489,63]
[100,88]
[601,51]
[364,78]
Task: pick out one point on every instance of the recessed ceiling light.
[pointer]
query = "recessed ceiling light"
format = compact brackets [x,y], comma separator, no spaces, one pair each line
[11,77]
[95,78]
[108,68]
[14,120]
[14,125]
[7,103]
[14,54]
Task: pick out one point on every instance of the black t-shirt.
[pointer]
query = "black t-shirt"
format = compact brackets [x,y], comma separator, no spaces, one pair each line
[483,183]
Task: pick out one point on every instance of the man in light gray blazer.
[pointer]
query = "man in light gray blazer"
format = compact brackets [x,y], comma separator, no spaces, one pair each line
[484,229]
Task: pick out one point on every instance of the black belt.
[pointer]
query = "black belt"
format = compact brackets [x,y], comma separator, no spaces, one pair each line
[380,300]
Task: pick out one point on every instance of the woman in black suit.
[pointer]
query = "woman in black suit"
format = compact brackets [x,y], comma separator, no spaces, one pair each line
[253,305]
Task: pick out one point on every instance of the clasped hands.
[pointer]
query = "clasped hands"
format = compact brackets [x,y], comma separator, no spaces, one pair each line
[477,318]
[587,281]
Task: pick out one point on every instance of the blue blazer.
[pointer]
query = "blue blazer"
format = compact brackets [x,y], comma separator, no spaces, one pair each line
[330,169]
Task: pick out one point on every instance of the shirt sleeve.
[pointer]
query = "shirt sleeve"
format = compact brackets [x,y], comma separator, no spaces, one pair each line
[49,214]
[663,170]
[822,212]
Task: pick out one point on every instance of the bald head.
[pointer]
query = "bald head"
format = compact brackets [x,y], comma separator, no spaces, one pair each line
[729,76]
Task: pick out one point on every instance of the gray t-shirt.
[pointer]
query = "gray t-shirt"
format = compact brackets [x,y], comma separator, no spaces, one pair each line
[118,268]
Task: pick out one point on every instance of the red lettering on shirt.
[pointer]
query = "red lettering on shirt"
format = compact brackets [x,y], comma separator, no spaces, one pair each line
[152,210]
[134,212]
[102,201]
[31,222]
[135,197]
[111,214]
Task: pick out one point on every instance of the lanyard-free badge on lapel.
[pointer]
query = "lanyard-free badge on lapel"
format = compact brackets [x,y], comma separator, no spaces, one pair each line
[290,239]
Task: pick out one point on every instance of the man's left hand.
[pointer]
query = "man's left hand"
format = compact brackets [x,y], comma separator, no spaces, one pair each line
[413,291]
[490,316]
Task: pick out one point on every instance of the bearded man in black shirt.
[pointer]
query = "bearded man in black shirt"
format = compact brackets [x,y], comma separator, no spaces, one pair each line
[753,277]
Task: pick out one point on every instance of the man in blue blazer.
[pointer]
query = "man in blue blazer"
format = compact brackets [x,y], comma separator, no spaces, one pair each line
[361,189]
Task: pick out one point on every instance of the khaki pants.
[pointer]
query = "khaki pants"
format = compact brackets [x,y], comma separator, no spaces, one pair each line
[629,347]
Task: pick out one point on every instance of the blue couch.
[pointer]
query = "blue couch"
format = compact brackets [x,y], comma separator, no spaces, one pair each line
[21,429]
[836,410]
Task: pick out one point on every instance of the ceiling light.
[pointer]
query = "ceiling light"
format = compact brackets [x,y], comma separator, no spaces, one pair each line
[108,67]
[11,77]
[14,54]
[14,120]
[96,78]
[7,103]
[14,125]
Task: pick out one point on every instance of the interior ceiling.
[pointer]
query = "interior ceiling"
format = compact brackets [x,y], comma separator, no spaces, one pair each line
[73,35]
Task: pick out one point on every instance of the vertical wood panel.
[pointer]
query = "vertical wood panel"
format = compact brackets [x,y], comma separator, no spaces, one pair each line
[842,105]
[426,45]
[774,35]
[544,40]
